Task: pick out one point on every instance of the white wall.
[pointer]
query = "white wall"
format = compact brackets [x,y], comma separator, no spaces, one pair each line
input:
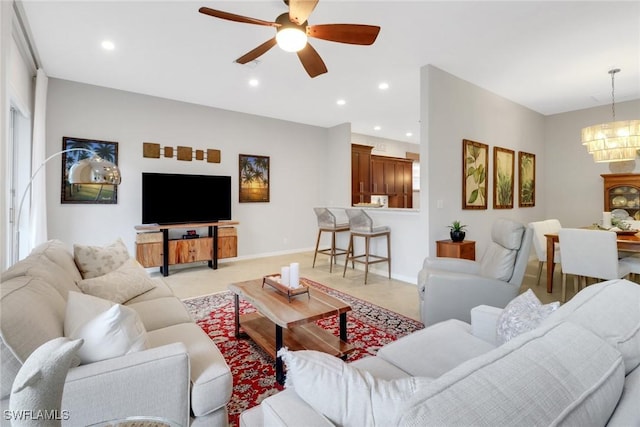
[574,187]
[17,69]
[453,110]
[285,224]
[336,182]
[5,40]
[309,165]
[384,146]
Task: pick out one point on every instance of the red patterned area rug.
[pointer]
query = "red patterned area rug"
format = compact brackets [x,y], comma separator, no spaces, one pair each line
[369,328]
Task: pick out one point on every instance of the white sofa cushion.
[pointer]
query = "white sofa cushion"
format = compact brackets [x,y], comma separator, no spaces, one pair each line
[524,313]
[593,309]
[120,285]
[109,330]
[94,261]
[345,395]
[627,412]
[432,351]
[161,312]
[211,380]
[27,301]
[559,375]
[39,266]
[58,253]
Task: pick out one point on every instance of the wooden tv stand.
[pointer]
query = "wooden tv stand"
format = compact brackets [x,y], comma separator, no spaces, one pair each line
[157,253]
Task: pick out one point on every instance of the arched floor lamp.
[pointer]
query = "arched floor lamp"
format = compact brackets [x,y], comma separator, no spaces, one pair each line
[93,170]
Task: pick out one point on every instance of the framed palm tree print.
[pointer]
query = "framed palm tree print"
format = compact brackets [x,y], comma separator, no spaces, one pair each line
[526,179]
[254,178]
[503,178]
[475,166]
[87,193]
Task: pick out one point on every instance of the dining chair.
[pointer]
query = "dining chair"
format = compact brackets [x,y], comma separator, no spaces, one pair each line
[591,253]
[540,228]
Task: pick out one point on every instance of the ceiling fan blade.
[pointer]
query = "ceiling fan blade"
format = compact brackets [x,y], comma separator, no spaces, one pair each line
[345,33]
[299,10]
[255,53]
[236,18]
[311,61]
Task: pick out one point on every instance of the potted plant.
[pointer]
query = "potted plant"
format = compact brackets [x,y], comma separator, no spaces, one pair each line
[457,232]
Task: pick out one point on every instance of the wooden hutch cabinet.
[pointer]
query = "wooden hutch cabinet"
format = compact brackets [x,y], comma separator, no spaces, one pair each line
[622,191]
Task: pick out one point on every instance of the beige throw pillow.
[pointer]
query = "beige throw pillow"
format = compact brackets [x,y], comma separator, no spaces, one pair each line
[94,261]
[119,286]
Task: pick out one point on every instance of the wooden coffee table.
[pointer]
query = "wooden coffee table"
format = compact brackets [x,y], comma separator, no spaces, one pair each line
[283,323]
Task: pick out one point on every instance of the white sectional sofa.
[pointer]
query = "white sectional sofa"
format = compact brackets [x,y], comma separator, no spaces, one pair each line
[578,367]
[180,376]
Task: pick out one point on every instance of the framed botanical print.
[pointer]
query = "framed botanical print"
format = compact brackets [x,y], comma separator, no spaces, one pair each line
[503,178]
[475,166]
[254,178]
[526,179]
[87,193]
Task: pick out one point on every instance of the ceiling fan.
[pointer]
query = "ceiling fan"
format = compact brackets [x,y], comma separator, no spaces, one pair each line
[292,30]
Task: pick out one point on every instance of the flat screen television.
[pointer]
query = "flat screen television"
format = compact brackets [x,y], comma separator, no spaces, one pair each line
[180,198]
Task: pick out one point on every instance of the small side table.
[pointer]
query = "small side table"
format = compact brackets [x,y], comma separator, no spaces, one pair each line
[450,249]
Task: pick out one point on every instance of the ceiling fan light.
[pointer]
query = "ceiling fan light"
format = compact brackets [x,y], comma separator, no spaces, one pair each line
[291,39]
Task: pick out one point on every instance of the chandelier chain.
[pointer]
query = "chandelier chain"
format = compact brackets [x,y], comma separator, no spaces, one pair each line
[613,91]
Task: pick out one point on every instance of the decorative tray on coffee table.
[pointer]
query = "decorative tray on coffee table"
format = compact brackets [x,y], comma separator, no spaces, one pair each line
[272,280]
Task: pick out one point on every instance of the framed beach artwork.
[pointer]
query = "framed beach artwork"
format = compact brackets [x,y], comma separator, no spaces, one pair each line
[503,178]
[87,193]
[254,178]
[526,179]
[475,167]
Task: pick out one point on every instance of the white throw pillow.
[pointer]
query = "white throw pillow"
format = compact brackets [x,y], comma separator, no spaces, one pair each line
[522,314]
[109,330]
[40,381]
[346,395]
[120,285]
[94,261]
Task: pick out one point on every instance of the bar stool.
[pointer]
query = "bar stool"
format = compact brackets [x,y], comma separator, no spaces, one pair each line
[327,223]
[361,225]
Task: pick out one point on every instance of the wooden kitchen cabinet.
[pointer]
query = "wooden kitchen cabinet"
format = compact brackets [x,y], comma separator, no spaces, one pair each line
[393,177]
[360,174]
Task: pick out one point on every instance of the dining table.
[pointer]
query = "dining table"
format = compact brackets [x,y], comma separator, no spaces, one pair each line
[628,241]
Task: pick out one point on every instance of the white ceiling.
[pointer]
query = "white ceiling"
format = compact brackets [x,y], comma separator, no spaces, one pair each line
[549,56]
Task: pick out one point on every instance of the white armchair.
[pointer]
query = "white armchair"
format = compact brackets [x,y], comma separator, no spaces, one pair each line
[449,287]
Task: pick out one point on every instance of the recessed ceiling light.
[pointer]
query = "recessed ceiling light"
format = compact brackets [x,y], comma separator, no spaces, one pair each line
[409,134]
[341,102]
[377,128]
[383,86]
[108,45]
[254,82]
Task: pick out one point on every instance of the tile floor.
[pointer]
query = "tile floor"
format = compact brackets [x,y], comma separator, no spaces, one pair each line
[195,280]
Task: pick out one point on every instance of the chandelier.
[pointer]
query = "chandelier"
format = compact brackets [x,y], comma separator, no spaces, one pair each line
[613,141]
